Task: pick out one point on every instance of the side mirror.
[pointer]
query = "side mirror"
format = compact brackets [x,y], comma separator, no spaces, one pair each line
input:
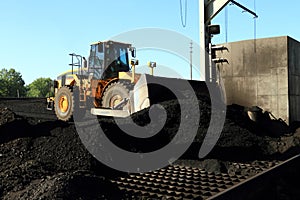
[133,51]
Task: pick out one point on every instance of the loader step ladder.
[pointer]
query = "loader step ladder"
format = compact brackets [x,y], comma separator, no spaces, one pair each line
[81,76]
[82,99]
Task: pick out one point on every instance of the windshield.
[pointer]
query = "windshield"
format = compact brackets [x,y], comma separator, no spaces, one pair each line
[116,58]
[119,56]
[123,57]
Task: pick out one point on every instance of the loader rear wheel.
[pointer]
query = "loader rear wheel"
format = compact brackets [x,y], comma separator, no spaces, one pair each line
[64,103]
[114,94]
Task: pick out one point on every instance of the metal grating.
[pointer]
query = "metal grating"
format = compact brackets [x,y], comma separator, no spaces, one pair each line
[182,182]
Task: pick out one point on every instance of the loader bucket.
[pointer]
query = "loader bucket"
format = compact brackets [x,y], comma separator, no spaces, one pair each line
[150,90]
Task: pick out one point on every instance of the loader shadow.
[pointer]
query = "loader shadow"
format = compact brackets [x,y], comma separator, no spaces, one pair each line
[21,128]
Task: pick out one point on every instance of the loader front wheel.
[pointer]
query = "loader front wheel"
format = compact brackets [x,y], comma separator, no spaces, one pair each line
[64,103]
[114,94]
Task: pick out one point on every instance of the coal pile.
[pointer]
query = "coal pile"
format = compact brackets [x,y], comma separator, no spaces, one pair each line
[45,159]
[244,139]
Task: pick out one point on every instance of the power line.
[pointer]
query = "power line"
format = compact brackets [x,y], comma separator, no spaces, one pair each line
[255,20]
[183,21]
[191,59]
[226,24]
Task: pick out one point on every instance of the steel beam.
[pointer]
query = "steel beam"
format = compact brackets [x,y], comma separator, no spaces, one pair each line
[213,7]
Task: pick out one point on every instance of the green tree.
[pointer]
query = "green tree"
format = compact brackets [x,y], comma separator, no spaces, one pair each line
[40,87]
[11,83]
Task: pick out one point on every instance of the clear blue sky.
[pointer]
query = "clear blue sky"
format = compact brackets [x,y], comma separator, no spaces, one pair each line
[37,36]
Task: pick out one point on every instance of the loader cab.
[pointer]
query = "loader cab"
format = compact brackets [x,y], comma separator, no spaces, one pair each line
[108,58]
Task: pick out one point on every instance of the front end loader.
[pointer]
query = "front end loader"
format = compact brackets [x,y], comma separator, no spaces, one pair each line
[102,81]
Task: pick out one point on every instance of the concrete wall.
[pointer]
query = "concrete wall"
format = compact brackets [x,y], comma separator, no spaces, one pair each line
[257,74]
[294,78]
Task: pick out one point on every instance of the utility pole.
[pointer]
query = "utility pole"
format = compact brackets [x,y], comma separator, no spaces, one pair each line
[202,31]
[208,9]
[191,59]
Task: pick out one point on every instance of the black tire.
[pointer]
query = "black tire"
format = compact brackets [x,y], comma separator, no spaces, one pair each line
[64,103]
[114,93]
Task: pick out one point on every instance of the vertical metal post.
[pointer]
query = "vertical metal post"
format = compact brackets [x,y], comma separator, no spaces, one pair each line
[72,63]
[133,73]
[203,42]
[212,65]
[191,59]
[208,9]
